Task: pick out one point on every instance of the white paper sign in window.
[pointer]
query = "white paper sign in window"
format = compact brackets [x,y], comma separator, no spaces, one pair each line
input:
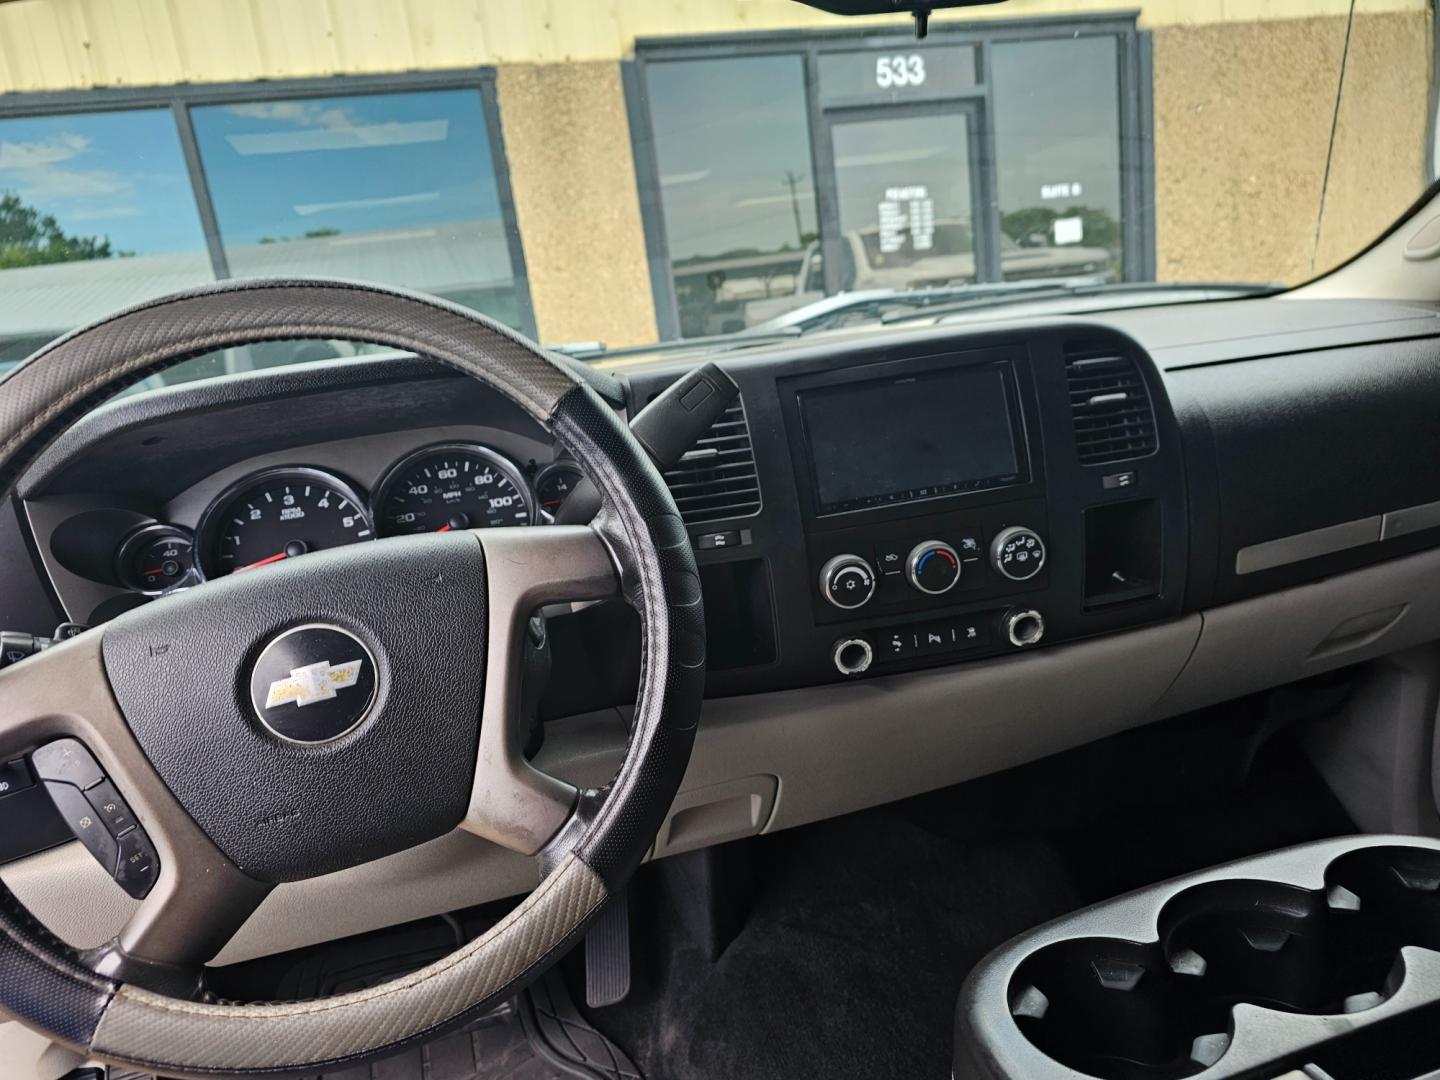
[907,212]
[1069,230]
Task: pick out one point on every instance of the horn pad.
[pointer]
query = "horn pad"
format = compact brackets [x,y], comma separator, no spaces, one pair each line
[318,713]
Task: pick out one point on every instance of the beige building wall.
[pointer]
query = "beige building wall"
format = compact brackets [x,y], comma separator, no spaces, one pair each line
[59,44]
[567,141]
[1243,94]
[1242,128]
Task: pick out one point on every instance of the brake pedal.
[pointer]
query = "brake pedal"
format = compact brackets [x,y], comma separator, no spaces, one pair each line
[607,954]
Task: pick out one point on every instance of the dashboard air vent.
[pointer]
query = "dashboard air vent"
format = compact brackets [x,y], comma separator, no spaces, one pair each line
[1109,403]
[716,478]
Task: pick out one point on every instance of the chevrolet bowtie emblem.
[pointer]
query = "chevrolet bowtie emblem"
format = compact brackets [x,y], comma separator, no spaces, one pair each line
[313,682]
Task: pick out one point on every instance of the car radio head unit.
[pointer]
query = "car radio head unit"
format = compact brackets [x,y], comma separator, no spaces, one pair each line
[960,433]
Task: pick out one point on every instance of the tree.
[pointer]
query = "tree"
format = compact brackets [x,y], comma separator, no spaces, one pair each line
[30,238]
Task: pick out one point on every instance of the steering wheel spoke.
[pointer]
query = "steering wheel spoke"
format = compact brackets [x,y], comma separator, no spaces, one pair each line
[513,803]
[58,706]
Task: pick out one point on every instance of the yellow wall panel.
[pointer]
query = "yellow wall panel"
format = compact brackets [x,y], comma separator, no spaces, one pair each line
[59,44]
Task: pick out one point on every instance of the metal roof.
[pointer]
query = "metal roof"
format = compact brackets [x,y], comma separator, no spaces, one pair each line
[39,301]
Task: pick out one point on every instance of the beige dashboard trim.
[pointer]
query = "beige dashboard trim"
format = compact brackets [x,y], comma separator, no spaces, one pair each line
[1307,545]
[1297,547]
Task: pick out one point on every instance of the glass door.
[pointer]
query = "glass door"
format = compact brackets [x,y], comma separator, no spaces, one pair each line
[906,202]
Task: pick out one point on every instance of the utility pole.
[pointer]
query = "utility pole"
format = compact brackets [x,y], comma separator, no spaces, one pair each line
[792,181]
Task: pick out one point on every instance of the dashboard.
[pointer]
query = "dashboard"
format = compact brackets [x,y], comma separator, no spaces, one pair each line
[135,539]
[925,554]
[871,505]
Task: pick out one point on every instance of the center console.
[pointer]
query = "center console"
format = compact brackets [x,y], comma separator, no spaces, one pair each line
[1317,963]
[957,504]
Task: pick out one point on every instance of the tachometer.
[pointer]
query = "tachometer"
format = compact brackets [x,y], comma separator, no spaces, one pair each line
[281,514]
[456,486]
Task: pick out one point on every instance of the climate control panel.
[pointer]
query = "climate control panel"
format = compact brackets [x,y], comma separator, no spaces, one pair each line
[941,562]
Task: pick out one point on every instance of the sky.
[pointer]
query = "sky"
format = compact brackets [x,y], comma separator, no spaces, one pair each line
[351,164]
[275,169]
[119,175]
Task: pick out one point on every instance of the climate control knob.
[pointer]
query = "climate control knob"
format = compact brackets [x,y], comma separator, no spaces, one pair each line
[933,567]
[1018,553]
[847,581]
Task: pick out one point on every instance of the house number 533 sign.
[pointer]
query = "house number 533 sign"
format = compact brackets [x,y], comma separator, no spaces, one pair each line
[899,70]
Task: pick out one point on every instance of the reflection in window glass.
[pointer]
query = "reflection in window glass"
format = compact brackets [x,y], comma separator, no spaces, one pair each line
[96,213]
[398,188]
[733,146]
[1057,145]
[904,191]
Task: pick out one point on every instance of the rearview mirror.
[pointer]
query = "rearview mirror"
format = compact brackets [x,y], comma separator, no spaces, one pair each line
[919,9]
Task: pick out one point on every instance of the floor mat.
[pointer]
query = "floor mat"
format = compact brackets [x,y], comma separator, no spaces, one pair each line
[850,962]
[852,958]
[539,1035]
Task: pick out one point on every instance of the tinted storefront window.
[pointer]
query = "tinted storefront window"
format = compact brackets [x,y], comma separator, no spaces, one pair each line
[1057,149]
[903,189]
[398,188]
[732,144]
[96,213]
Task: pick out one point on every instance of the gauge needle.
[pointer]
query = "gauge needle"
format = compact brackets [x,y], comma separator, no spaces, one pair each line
[262,562]
[443,528]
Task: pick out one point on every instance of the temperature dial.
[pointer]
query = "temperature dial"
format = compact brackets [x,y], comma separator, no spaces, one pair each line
[847,581]
[933,567]
[1018,553]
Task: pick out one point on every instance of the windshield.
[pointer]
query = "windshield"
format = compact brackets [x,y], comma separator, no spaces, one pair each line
[644,171]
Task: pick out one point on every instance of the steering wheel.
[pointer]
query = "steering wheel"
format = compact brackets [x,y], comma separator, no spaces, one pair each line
[408,655]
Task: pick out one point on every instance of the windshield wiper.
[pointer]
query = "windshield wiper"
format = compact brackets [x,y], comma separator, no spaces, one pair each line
[1201,290]
[740,339]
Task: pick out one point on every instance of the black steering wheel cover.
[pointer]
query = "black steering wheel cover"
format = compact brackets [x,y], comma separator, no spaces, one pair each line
[659,574]
[42,981]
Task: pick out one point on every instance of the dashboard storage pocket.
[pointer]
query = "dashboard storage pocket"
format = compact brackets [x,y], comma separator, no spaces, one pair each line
[1230,972]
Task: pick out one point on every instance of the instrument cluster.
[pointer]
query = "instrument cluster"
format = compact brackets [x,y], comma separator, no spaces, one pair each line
[287,512]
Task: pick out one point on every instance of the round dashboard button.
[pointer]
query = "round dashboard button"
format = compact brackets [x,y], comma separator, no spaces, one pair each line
[1018,553]
[847,581]
[933,567]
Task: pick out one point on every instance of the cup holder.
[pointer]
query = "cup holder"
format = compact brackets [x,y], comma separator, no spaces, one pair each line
[1397,890]
[1120,1010]
[1113,1009]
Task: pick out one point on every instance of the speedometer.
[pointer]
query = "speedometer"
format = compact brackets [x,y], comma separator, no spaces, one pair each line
[455,486]
[281,514]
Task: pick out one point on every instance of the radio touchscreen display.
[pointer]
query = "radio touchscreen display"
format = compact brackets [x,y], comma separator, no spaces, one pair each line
[908,438]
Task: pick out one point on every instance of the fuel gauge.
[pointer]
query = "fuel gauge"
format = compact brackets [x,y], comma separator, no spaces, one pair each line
[155,559]
[554,485]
